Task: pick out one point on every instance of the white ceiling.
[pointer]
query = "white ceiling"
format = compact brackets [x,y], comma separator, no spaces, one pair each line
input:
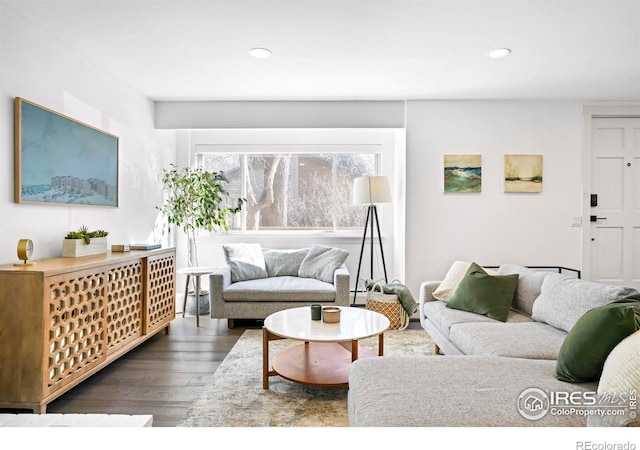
[356,50]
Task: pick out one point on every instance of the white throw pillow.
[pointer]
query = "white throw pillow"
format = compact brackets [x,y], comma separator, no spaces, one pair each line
[452,279]
[246,261]
[620,378]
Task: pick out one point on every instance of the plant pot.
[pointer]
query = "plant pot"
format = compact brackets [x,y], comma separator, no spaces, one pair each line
[203,304]
[72,248]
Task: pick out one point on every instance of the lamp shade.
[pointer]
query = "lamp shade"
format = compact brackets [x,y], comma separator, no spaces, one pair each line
[370,190]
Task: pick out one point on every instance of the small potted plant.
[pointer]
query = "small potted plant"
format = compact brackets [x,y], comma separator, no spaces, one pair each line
[83,242]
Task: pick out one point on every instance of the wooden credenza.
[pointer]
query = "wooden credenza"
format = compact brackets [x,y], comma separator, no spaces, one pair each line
[64,319]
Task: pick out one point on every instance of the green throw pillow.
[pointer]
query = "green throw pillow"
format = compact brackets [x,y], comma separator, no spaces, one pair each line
[481,293]
[592,338]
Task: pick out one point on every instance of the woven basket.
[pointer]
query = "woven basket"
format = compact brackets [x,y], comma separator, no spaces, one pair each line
[389,306]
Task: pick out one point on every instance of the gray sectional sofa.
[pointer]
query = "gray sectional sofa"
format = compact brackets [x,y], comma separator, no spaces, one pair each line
[258,282]
[459,332]
[487,364]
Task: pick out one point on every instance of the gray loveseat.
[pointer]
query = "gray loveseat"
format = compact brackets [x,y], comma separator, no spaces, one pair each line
[258,282]
[489,364]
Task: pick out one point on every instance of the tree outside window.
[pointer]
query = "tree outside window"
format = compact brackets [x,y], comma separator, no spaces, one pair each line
[295,191]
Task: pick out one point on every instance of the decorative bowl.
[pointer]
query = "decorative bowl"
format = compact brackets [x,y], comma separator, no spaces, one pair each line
[331,314]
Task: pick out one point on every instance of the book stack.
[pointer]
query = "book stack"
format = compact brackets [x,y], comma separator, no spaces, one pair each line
[144,246]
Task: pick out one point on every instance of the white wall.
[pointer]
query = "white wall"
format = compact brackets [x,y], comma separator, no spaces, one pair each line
[491,227]
[39,68]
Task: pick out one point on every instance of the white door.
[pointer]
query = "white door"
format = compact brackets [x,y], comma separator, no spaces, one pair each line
[615,179]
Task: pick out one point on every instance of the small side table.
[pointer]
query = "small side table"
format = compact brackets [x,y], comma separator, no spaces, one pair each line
[195,272]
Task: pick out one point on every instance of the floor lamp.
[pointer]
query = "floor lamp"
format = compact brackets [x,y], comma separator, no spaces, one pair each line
[371,191]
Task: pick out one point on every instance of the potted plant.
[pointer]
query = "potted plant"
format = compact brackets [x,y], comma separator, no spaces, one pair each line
[83,242]
[195,199]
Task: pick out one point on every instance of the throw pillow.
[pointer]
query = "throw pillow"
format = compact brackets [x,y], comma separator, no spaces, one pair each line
[481,293]
[529,286]
[245,261]
[280,263]
[620,376]
[592,338]
[321,262]
[452,279]
[563,300]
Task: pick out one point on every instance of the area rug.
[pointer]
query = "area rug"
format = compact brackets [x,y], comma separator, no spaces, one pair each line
[235,398]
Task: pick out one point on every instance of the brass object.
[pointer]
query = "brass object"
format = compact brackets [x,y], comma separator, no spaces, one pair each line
[331,314]
[25,251]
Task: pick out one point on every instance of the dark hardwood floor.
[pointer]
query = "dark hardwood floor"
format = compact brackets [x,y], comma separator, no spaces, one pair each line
[162,376]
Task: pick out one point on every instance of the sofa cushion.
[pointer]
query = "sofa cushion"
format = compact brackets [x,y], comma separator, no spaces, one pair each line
[281,289]
[444,318]
[453,391]
[534,340]
[620,376]
[564,300]
[592,338]
[482,293]
[281,263]
[245,261]
[321,262]
[529,286]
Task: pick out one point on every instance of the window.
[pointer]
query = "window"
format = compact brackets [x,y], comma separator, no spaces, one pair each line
[294,191]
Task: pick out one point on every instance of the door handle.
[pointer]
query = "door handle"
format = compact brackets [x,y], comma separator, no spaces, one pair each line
[594,218]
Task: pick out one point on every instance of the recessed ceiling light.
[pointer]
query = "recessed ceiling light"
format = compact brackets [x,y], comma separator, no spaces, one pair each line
[499,53]
[260,52]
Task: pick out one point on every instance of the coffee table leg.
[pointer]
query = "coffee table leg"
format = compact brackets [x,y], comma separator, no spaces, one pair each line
[354,347]
[266,373]
[354,350]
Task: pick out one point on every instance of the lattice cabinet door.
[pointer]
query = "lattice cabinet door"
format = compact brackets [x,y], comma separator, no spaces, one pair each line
[74,328]
[125,305]
[161,278]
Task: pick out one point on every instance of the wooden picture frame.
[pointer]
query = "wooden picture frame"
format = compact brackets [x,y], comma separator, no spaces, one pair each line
[62,161]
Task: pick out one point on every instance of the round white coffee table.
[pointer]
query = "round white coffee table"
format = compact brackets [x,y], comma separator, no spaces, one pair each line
[328,349]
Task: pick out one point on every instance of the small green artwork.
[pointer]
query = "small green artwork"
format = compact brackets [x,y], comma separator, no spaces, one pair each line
[462,173]
[523,173]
